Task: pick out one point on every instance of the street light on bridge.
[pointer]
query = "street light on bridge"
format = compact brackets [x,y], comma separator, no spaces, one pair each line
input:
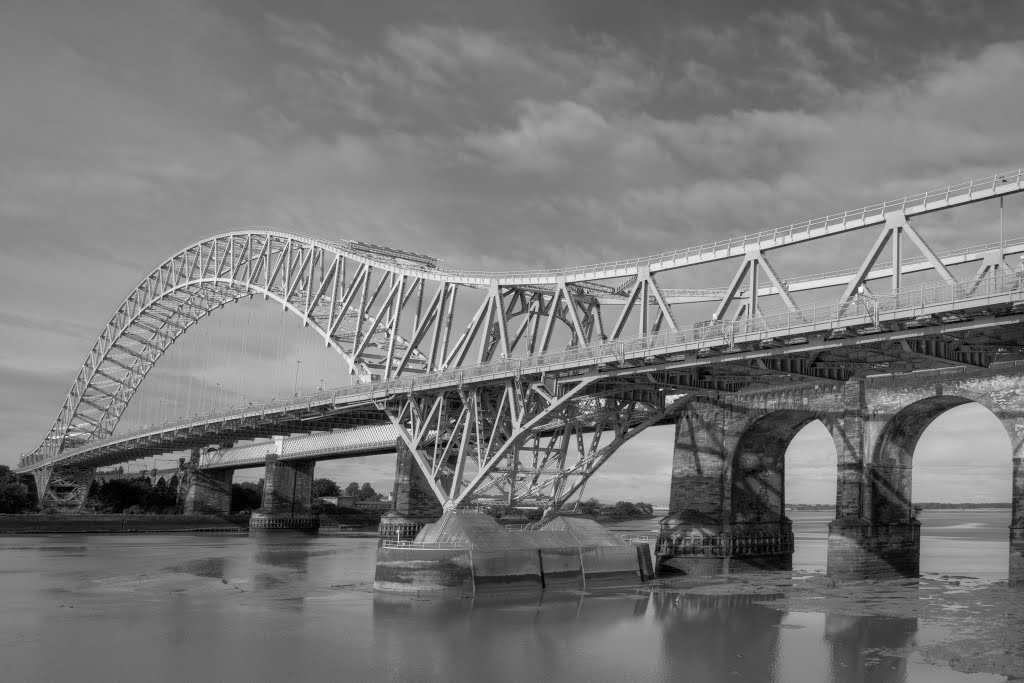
[862,294]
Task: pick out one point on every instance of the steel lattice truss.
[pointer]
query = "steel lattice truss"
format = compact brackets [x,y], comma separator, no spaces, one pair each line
[515,434]
[522,443]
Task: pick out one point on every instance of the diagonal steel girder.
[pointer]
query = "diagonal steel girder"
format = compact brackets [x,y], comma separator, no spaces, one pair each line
[512,441]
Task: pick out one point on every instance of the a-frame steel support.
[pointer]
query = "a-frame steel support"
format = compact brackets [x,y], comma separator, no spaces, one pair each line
[754,261]
[896,225]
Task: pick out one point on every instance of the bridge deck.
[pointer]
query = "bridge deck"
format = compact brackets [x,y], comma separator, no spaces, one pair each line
[919,311]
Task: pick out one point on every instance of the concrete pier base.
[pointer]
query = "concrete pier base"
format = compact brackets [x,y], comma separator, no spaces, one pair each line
[466,553]
[858,550]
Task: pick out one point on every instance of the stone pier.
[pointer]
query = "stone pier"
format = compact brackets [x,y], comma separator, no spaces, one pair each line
[287,496]
[205,492]
[415,502]
[413,495]
[883,539]
[727,497]
[1017,523]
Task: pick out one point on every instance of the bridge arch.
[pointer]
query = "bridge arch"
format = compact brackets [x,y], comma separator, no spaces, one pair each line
[728,485]
[758,467]
[351,294]
[890,470]
[192,284]
[890,464]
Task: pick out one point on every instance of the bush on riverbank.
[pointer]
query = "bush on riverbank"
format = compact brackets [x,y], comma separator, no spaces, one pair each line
[334,515]
[246,497]
[133,496]
[17,492]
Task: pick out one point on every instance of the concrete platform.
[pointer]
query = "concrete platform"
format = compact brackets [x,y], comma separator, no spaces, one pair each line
[466,553]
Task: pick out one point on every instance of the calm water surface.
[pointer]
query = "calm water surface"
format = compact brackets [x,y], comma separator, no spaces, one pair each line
[187,608]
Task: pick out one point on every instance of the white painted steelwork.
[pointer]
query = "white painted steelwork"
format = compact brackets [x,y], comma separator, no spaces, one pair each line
[483,395]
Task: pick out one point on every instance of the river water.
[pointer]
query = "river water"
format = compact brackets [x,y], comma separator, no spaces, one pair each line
[234,608]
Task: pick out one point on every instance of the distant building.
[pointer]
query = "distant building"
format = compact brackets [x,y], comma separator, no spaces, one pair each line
[374,505]
[364,505]
[340,501]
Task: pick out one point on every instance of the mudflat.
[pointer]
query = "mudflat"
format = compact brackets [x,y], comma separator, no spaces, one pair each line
[973,625]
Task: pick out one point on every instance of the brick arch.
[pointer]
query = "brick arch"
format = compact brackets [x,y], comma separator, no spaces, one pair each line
[890,468]
[758,467]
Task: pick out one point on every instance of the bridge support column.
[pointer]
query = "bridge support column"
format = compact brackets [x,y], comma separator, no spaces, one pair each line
[413,496]
[204,492]
[858,549]
[63,487]
[415,502]
[1017,524]
[718,523]
[287,495]
[874,535]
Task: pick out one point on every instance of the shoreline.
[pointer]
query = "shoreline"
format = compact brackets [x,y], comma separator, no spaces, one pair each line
[32,524]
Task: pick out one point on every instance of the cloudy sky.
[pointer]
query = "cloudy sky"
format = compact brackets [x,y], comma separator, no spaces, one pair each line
[494,134]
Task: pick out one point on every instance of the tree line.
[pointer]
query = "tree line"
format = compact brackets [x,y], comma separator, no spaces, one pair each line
[620,510]
[141,496]
[328,488]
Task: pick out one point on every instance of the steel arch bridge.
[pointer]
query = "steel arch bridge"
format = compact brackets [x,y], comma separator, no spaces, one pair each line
[491,379]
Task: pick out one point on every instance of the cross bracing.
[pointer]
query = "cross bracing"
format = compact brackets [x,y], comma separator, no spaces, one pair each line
[512,383]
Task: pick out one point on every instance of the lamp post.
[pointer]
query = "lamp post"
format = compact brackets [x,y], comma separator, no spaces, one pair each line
[1001,248]
[862,294]
[295,388]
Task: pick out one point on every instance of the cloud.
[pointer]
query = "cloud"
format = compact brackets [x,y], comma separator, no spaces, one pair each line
[435,53]
[492,145]
[546,138]
[307,37]
[698,79]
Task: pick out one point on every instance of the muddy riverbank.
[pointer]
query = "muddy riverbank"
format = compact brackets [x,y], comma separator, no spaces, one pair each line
[971,625]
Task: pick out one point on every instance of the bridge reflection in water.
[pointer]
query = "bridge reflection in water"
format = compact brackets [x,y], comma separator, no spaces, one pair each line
[300,608]
[662,636]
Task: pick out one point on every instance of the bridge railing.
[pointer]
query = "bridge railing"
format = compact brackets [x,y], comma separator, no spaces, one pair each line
[1011,244]
[915,203]
[907,302]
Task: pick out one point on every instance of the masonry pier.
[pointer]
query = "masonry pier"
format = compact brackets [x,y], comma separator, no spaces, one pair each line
[287,495]
[415,504]
[1017,522]
[204,492]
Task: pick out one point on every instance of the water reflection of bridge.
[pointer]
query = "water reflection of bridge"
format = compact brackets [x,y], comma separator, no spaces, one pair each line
[664,635]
